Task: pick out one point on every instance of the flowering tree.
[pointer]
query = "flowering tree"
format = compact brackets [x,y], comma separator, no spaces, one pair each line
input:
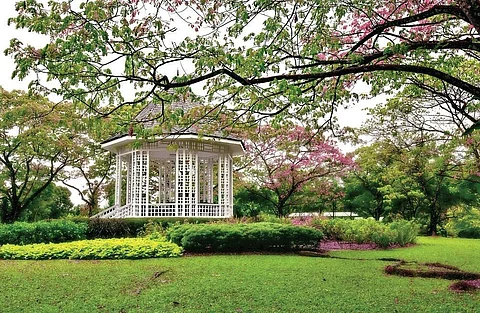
[286,58]
[286,161]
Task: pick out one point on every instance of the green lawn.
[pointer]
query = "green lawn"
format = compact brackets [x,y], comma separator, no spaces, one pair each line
[241,283]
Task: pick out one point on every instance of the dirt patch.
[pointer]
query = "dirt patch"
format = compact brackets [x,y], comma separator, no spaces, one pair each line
[465,286]
[141,285]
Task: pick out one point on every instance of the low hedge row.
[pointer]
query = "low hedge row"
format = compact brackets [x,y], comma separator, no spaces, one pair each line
[243,237]
[23,233]
[126,248]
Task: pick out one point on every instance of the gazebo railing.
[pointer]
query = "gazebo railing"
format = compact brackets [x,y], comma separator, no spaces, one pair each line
[167,210]
[112,212]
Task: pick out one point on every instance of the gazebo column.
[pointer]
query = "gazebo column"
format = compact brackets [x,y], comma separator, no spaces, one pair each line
[225,185]
[186,172]
[118,180]
[139,182]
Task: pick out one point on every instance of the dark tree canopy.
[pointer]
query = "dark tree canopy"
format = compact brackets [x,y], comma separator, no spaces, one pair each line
[265,58]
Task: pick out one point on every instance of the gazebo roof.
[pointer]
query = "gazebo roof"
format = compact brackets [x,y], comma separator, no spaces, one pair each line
[147,117]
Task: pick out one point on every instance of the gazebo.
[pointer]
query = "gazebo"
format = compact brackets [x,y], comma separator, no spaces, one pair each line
[179,174]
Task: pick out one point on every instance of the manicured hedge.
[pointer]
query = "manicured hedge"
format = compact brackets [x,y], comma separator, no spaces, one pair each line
[243,237]
[126,248]
[22,233]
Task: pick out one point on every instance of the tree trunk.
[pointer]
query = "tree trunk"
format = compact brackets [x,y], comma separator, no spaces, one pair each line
[434,221]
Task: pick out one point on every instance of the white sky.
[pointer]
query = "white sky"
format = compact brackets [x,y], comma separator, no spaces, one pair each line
[5,34]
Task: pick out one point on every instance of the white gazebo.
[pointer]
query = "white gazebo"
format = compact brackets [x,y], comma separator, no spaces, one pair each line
[181,174]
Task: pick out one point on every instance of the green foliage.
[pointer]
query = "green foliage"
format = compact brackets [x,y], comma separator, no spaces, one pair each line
[301,63]
[53,203]
[23,233]
[465,226]
[112,228]
[243,237]
[473,232]
[251,201]
[126,248]
[152,230]
[405,231]
[368,230]
[411,177]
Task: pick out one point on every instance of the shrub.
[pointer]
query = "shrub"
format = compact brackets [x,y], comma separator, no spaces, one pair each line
[405,232]
[152,230]
[243,237]
[126,248]
[110,228]
[358,231]
[467,225]
[55,231]
[384,238]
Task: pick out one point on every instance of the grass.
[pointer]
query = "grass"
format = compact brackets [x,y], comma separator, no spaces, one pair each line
[241,283]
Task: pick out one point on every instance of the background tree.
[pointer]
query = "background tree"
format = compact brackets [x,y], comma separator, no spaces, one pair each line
[412,178]
[363,193]
[286,160]
[37,141]
[251,200]
[53,203]
[91,174]
[300,59]
[422,162]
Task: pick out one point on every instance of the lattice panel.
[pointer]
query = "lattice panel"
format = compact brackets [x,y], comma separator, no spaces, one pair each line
[187,181]
[139,182]
[166,181]
[205,180]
